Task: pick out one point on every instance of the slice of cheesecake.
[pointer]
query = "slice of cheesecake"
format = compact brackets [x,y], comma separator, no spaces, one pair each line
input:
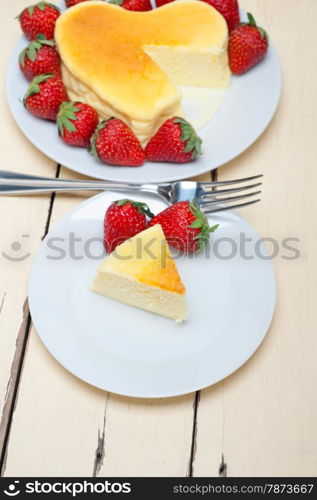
[129,64]
[141,272]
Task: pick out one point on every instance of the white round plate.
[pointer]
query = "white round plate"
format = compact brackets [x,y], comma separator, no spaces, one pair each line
[248,108]
[132,352]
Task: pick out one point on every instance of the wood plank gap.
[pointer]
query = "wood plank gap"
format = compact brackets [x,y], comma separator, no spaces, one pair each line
[17,364]
[100,450]
[50,208]
[13,383]
[214,175]
[2,301]
[194,436]
[223,467]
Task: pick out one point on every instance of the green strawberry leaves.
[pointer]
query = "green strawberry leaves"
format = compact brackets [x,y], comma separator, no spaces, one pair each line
[66,117]
[34,87]
[251,19]
[201,222]
[252,22]
[193,142]
[142,208]
[31,50]
[200,217]
[116,2]
[203,236]
[41,6]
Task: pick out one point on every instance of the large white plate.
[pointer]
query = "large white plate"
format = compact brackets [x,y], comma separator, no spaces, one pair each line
[248,108]
[135,353]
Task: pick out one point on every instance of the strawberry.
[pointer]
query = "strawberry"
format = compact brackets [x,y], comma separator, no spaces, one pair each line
[76,123]
[39,19]
[175,141]
[45,95]
[248,45]
[185,226]
[39,57]
[229,9]
[137,5]
[71,3]
[114,142]
[124,219]
[159,3]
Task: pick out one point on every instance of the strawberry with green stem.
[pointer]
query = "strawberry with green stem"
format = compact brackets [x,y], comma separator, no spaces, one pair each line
[76,123]
[175,141]
[248,44]
[39,57]
[124,219]
[114,143]
[39,19]
[45,95]
[185,226]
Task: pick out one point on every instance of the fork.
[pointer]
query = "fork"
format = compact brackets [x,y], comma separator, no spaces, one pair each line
[207,194]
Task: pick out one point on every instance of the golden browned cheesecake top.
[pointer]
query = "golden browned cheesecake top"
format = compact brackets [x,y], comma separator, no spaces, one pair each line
[155,267]
[102,46]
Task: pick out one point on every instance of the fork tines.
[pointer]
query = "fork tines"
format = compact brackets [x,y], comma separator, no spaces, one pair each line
[215,200]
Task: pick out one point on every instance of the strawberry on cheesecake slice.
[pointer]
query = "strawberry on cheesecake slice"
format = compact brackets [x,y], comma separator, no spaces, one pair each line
[141,272]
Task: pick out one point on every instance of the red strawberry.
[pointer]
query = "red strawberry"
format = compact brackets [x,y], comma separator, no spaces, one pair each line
[39,57]
[229,9]
[137,5]
[248,45]
[159,3]
[124,219]
[76,123]
[71,3]
[45,95]
[39,19]
[185,226]
[114,142]
[175,141]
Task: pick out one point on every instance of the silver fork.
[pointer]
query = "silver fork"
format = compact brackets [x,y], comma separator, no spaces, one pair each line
[207,194]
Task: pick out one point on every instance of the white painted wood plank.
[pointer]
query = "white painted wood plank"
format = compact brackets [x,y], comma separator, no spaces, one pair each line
[148,438]
[263,418]
[243,416]
[22,222]
[56,422]
[62,427]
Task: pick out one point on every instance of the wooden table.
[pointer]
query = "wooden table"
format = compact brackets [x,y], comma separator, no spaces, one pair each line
[259,421]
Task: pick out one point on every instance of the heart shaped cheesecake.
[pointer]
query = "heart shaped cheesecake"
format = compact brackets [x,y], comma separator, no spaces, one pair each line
[129,64]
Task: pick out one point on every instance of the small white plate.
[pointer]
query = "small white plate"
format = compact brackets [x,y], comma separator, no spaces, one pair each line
[131,352]
[248,107]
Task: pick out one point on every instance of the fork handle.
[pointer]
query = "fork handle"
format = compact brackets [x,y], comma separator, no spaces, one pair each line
[7,174]
[18,189]
[15,183]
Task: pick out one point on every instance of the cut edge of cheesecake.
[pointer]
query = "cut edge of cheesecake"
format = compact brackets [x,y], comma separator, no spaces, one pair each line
[142,273]
[143,129]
